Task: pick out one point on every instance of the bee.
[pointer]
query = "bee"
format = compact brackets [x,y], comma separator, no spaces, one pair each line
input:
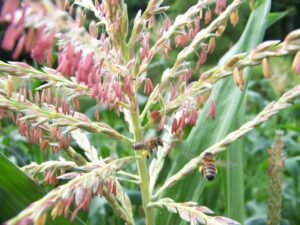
[148,145]
[208,167]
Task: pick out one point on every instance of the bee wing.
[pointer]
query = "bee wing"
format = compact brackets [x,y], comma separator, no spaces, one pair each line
[223,163]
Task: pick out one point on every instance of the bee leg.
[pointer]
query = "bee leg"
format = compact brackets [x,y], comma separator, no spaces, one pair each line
[201,169]
[146,153]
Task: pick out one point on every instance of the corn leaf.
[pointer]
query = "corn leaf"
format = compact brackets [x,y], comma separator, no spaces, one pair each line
[230,115]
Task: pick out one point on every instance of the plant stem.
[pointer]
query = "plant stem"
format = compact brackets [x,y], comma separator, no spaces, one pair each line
[142,169]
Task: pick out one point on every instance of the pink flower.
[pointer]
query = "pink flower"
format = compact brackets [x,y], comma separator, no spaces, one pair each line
[162,123]
[68,61]
[8,10]
[207,17]
[201,59]
[193,117]
[43,45]
[212,110]
[145,49]
[175,126]
[85,68]
[220,5]
[148,86]
[13,32]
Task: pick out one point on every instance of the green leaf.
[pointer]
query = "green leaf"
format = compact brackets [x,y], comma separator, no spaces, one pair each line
[230,115]
[17,191]
[276,16]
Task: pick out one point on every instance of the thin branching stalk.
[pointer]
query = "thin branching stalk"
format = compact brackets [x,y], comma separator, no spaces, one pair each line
[270,110]
[180,21]
[191,212]
[59,119]
[199,38]
[268,49]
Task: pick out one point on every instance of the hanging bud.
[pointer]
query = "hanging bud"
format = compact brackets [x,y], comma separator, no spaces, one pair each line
[296,63]
[212,110]
[162,123]
[207,17]
[155,116]
[175,126]
[266,68]
[234,17]
[41,220]
[9,87]
[148,86]
[193,117]
[238,78]
[97,114]
[221,28]
[44,146]
[57,210]
[211,45]
[93,29]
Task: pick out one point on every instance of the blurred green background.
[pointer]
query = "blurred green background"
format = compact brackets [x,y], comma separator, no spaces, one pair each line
[256,142]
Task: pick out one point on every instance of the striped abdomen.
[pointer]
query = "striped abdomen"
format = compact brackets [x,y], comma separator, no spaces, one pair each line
[139,146]
[209,171]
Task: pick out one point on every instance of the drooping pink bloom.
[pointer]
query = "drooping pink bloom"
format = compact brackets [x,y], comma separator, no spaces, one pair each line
[162,123]
[201,59]
[85,68]
[207,17]
[212,110]
[197,25]
[175,126]
[148,86]
[220,5]
[44,42]
[186,76]
[20,46]
[30,40]
[193,117]
[167,24]
[8,10]
[166,49]
[128,88]
[155,115]
[13,32]
[145,49]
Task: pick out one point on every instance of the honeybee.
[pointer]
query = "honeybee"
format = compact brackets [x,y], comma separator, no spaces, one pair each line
[208,167]
[148,145]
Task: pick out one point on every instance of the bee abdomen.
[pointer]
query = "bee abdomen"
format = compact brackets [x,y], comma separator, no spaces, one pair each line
[209,172]
[138,146]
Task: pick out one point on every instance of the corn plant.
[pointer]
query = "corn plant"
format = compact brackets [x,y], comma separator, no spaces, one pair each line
[108,61]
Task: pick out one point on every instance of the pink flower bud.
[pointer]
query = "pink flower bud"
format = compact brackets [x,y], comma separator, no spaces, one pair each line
[148,86]
[193,117]
[207,17]
[162,123]
[212,110]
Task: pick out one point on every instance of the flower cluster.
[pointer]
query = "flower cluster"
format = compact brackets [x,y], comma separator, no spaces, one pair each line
[101,181]
[191,212]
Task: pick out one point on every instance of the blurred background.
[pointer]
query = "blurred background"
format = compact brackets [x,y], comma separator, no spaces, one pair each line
[256,142]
